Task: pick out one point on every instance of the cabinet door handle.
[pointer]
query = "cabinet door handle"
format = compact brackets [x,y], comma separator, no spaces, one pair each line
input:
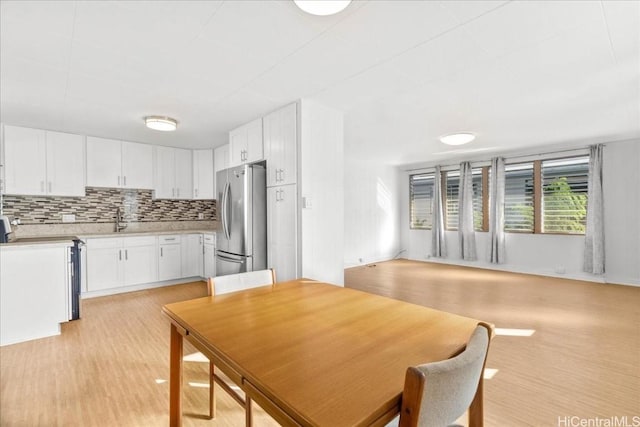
[119,254]
[282,195]
[124,180]
[126,254]
[118,180]
[196,192]
[161,252]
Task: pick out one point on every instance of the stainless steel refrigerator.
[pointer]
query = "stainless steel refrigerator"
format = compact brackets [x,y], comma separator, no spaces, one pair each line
[241,235]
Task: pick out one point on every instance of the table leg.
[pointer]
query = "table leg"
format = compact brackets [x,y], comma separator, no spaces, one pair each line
[175,378]
[476,412]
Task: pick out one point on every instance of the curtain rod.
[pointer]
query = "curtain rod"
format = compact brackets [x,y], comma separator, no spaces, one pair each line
[507,158]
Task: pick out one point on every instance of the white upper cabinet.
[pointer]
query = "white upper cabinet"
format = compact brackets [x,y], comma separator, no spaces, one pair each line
[173,173]
[203,174]
[221,158]
[220,162]
[119,164]
[137,165]
[104,162]
[65,164]
[245,144]
[39,162]
[280,146]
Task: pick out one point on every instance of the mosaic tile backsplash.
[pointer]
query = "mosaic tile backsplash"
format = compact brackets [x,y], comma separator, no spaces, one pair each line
[100,205]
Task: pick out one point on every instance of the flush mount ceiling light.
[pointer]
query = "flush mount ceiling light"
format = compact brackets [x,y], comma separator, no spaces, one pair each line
[457,138]
[165,124]
[322,7]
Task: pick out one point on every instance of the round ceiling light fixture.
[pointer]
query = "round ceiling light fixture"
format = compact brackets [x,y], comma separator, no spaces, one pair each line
[162,123]
[460,138]
[322,7]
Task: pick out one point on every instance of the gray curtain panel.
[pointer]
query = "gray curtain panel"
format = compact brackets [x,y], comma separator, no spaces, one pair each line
[466,232]
[594,236]
[438,244]
[496,211]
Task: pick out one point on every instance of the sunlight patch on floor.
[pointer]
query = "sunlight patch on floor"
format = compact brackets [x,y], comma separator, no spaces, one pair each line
[514,332]
[489,373]
[196,357]
[198,385]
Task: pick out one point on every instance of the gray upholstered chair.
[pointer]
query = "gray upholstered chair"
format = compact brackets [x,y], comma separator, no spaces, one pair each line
[223,285]
[436,394]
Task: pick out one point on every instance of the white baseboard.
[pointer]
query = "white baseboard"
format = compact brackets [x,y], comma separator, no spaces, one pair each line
[140,287]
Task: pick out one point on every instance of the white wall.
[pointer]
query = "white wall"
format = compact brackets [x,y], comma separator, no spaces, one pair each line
[559,255]
[621,182]
[372,212]
[322,185]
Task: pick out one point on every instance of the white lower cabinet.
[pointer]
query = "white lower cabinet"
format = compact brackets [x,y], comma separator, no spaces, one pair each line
[34,295]
[282,252]
[209,255]
[192,255]
[170,258]
[114,262]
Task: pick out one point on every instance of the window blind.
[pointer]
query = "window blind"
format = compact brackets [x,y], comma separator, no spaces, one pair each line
[518,198]
[453,192]
[564,195]
[421,198]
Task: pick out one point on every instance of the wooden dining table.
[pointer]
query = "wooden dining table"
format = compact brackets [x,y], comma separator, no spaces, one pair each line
[315,354]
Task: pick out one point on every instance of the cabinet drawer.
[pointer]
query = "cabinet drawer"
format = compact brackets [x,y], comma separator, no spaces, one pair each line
[140,241]
[169,239]
[210,238]
[104,243]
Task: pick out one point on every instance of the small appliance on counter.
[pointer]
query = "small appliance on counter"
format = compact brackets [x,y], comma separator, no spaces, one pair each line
[5,228]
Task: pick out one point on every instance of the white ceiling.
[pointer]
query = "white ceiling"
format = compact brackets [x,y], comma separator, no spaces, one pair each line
[519,74]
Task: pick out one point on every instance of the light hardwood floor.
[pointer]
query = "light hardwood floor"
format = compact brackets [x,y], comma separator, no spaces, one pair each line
[583,360]
[109,368]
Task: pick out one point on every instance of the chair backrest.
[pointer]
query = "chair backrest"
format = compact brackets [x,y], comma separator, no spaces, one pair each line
[237,282]
[436,394]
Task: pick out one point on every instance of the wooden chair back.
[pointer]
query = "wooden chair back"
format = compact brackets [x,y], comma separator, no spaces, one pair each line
[436,394]
[220,285]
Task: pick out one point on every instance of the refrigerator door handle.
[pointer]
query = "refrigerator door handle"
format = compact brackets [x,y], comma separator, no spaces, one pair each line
[229,259]
[225,217]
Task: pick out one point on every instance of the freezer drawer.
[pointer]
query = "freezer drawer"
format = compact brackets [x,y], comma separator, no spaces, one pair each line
[227,263]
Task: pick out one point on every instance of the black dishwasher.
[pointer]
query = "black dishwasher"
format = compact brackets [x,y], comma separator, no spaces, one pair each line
[75,278]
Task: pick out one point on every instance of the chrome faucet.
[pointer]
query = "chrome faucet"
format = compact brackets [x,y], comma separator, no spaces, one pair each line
[119,220]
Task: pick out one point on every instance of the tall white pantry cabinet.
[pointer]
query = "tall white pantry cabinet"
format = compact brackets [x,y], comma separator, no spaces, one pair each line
[280,151]
[303,147]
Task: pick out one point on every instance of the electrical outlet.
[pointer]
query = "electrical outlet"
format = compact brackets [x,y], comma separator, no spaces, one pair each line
[360,260]
[200,216]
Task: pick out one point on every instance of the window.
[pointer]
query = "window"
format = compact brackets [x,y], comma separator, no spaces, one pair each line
[548,196]
[518,198]
[542,196]
[421,197]
[453,194]
[564,195]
